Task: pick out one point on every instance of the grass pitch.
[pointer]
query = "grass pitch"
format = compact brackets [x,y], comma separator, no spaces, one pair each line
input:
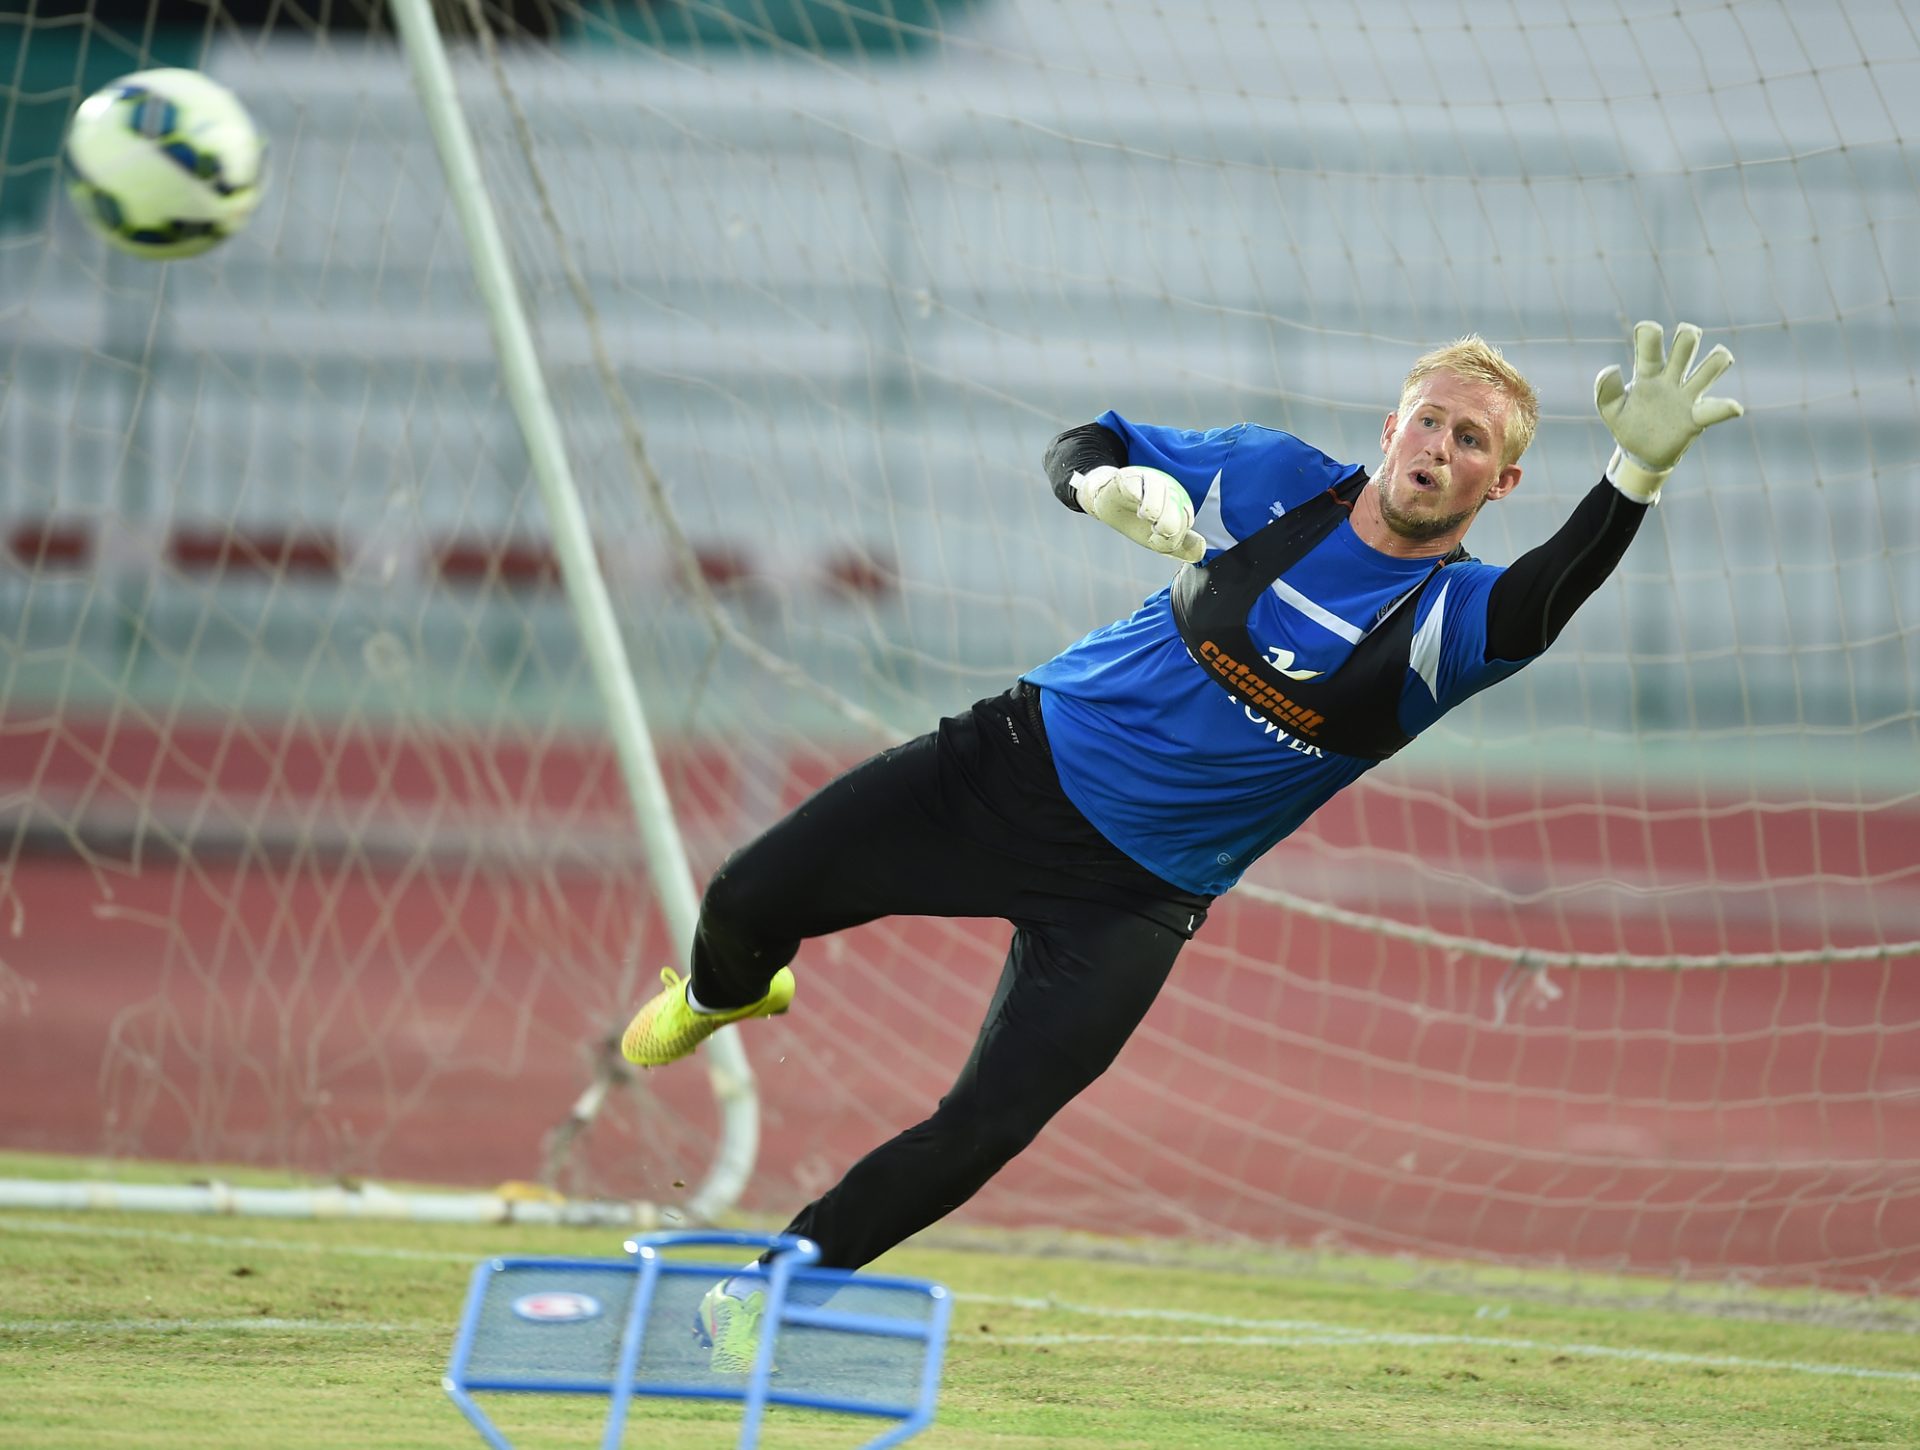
[119,1330]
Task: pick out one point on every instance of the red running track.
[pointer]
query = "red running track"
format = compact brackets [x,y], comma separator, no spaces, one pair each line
[1301,1082]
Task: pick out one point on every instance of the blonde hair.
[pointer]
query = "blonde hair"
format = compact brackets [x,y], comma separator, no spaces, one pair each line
[1479,361]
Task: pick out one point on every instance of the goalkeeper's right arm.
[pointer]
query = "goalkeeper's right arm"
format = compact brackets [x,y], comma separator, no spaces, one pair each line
[1080,451]
[1088,470]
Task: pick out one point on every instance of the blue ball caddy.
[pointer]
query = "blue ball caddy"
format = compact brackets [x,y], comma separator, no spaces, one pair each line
[856,1344]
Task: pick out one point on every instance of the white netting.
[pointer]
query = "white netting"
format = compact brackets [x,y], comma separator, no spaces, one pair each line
[317,853]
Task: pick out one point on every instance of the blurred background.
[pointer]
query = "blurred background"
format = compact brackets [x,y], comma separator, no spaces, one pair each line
[315,852]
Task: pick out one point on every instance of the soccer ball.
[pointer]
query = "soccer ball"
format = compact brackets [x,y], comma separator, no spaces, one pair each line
[164,163]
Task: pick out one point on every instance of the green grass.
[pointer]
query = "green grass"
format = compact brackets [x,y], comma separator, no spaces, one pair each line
[156,1332]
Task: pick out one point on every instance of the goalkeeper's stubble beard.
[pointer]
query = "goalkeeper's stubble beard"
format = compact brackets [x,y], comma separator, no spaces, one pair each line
[1419,528]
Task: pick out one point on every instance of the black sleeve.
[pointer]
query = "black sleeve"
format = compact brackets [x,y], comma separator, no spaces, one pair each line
[1531,603]
[1079,450]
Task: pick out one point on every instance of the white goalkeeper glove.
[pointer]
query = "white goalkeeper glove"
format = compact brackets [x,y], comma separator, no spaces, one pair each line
[1655,418]
[1148,506]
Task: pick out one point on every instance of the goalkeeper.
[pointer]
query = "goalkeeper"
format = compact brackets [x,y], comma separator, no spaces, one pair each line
[1323,618]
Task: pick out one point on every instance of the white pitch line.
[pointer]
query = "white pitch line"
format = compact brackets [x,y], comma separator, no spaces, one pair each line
[1171,1316]
[1342,1338]
[178,1236]
[222,1326]
[1308,1332]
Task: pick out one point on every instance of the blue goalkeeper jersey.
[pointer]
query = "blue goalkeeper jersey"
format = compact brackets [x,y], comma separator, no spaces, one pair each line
[1172,769]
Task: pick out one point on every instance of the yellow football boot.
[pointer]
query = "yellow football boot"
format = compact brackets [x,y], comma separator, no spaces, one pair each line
[667,1029]
[728,1323]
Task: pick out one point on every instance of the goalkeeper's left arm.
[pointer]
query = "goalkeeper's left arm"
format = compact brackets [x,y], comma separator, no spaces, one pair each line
[1654,420]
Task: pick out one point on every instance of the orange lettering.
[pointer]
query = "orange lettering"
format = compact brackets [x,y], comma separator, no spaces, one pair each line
[1244,680]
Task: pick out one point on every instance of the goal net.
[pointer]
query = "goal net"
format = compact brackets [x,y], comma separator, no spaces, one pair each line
[313,849]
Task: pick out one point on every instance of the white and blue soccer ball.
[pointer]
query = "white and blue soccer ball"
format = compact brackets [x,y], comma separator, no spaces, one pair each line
[164,163]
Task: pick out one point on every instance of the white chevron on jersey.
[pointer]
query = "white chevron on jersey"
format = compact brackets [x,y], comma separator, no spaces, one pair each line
[1318,613]
[1425,654]
[1208,522]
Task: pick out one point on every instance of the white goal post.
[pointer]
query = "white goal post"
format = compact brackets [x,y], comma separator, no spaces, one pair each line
[738,1138]
[334,837]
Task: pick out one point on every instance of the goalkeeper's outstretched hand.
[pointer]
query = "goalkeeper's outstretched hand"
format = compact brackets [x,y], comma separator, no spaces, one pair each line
[1655,418]
[1148,506]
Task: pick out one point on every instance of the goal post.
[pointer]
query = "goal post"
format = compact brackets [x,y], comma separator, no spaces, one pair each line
[738,1139]
[317,852]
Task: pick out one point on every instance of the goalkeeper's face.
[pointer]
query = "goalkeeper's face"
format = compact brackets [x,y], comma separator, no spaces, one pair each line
[1443,458]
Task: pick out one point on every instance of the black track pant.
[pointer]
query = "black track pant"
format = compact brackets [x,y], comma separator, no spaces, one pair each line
[969,821]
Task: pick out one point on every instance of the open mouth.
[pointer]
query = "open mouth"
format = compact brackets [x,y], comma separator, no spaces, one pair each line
[1424,478]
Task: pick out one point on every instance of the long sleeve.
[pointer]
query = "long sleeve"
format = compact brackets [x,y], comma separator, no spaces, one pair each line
[1536,596]
[1079,450]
